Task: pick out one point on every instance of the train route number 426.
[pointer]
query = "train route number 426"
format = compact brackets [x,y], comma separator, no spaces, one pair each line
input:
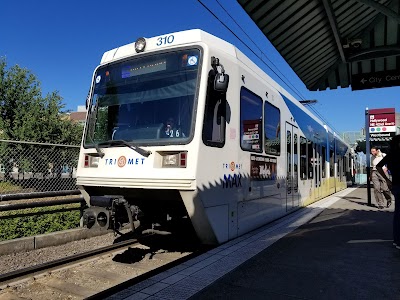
[165,40]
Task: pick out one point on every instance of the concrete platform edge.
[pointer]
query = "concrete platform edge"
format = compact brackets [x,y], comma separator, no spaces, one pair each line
[47,240]
[198,273]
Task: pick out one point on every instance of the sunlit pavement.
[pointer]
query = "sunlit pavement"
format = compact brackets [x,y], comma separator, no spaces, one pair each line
[337,248]
[344,253]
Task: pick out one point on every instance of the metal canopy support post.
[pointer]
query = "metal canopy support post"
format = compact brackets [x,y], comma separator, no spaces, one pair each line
[334,27]
[382,9]
[368,156]
[375,52]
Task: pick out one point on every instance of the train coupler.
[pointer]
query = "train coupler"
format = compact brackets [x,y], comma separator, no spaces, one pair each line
[109,212]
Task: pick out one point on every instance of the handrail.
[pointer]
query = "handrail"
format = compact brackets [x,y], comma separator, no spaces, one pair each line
[23,196]
[34,204]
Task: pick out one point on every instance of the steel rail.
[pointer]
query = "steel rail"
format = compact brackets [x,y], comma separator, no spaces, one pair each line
[26,272]
[128,283]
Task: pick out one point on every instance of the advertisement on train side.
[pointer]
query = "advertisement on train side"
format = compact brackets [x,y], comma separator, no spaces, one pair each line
[262,167]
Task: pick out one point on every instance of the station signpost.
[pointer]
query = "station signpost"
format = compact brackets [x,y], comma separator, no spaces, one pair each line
[380,125]
[368,156]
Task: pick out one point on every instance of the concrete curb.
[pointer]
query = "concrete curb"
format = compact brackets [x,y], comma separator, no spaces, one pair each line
[47,240]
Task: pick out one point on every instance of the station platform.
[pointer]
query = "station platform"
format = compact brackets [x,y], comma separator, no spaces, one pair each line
[336,248]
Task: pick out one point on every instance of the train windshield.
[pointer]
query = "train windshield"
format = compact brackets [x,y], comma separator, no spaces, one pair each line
[146,100]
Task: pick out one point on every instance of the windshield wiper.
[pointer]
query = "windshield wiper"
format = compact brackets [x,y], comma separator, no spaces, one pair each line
[139,150]
[91,114]
[98,150]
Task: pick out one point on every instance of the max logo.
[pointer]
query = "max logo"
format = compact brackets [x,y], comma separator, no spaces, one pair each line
[231,181]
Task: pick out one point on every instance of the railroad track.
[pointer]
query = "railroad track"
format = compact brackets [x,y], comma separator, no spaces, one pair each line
[98,272]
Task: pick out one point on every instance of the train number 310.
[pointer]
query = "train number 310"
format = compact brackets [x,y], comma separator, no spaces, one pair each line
[165,40]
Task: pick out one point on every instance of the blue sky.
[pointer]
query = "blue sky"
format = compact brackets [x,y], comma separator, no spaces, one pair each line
[62,42]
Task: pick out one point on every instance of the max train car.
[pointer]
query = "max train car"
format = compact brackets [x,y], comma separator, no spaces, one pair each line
[185,125]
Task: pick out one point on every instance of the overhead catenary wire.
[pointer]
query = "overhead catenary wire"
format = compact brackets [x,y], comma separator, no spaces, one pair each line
[323,119]
[257,55]
[293,88]
[287,82]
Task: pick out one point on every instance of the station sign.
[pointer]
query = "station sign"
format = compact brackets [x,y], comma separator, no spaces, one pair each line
[382,123]
[375,80]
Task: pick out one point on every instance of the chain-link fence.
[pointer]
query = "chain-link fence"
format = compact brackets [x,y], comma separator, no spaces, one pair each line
[27,167]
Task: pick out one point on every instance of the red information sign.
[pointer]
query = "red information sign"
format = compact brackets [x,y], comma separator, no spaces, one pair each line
[382,123]
[382,117]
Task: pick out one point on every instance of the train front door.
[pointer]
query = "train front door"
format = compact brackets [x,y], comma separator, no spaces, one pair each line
[292,167]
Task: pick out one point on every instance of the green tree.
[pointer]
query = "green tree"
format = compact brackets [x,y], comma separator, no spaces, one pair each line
[27,115]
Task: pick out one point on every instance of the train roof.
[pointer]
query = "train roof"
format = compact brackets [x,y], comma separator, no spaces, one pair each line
[188,37]
[180,38]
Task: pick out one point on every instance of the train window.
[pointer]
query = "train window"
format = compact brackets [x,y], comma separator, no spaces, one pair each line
[250,121]
[289,153]
[214,116]
[349,168]
[272,129]
[338,166]
[311,160]
[303,158]
[331,163]
[295,155]
[323,163]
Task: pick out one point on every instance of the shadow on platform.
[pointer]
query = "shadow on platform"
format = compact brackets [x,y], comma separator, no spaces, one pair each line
[346,252]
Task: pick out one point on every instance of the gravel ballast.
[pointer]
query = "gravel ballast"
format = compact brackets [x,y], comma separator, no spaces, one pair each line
[20,260]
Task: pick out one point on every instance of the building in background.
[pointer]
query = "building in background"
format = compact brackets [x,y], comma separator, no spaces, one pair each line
[79,115]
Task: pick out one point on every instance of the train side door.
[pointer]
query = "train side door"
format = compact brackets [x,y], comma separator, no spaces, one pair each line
[317,169]
[292,166]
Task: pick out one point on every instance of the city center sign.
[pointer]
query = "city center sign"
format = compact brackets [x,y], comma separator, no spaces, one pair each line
[375,80]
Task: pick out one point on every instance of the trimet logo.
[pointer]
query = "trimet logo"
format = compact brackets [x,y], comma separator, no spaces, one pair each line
[232,166]
[121,161]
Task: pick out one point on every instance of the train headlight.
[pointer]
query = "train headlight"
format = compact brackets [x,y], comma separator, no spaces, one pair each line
[140,44]
[170,160]
[102,219]
[177,160]
[94,162]
[91,162]
[89,219]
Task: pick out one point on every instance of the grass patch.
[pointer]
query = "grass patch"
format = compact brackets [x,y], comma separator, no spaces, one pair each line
[29,222]
[7,187]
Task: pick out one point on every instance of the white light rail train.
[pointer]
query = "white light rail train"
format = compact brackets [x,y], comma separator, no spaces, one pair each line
[184,125]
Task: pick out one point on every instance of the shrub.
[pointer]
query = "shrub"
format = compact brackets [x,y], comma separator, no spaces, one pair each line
[29,222]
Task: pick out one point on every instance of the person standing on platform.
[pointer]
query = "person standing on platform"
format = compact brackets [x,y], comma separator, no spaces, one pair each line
[381,190]
[392,160]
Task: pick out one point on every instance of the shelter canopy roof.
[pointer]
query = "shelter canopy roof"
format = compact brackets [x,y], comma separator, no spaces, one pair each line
[327,42]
